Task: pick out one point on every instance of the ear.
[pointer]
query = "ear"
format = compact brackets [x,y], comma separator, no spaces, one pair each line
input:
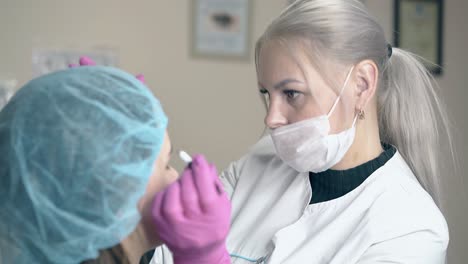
[366,78]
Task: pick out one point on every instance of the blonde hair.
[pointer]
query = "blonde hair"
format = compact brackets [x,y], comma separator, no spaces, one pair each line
[410,113]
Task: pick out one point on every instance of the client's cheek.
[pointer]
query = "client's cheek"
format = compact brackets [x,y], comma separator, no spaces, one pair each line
[170,176]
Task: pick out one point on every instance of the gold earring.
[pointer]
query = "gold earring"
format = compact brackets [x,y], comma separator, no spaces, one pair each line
[361,115]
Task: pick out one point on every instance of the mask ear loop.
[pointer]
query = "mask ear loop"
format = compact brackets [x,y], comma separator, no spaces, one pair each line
[341,93]
[355,120]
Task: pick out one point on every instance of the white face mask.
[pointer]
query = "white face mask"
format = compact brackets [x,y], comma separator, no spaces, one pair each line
[307,146]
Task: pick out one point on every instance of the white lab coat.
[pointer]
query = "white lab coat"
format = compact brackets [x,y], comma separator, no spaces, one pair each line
[387,219]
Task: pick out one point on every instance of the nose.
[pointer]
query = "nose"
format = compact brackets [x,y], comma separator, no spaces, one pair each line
[275,117]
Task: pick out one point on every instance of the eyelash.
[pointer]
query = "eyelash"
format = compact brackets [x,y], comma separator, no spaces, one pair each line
[291,94]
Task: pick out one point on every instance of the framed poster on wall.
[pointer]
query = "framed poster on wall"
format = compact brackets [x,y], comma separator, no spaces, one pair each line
[418,28]
[221,28]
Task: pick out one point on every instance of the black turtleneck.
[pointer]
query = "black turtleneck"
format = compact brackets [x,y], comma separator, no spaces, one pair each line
[332,184]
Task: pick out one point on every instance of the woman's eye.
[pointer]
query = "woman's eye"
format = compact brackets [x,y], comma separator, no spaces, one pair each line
[291,94]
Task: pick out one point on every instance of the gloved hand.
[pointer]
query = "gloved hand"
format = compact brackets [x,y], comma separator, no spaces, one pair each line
[85,61]
[192,216]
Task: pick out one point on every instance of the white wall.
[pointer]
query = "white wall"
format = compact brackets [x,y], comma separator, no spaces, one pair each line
[213,105]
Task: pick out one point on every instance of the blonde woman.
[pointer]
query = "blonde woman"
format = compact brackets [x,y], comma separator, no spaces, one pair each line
[348,172]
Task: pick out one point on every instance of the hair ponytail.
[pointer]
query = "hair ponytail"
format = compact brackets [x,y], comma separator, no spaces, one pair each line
[412,117]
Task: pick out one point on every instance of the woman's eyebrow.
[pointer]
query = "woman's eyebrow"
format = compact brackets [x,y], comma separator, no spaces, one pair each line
[285,82]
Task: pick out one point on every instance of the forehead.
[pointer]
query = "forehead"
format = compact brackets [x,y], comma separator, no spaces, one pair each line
[166,147]
[278,60]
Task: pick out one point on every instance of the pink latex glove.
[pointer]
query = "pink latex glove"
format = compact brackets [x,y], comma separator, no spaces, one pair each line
[192,216]
[85,61]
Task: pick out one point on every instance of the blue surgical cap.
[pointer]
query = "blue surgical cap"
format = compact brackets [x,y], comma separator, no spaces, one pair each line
[77,148]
